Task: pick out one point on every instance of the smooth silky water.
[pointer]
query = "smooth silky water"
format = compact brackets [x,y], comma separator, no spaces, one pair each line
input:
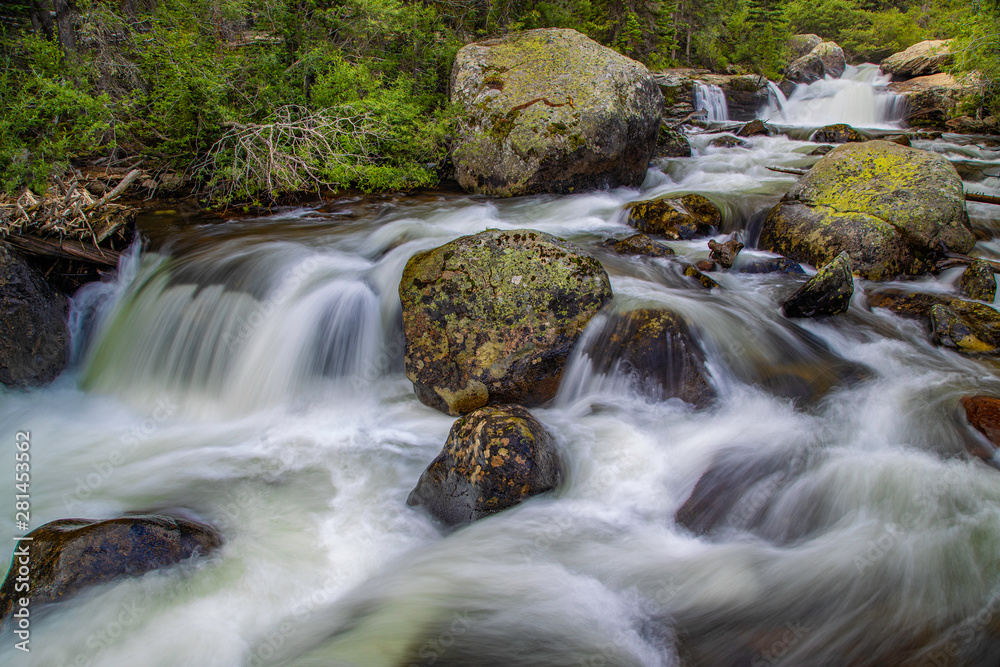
[248,374]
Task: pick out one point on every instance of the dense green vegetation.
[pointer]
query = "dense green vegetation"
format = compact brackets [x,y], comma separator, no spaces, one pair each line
[257,97]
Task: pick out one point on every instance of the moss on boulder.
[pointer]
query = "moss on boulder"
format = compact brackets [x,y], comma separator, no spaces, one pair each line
[491,318]
[551,110]
[965,326]
[638,244]
[838,133]
[494,458]
[675,217]
[887,206]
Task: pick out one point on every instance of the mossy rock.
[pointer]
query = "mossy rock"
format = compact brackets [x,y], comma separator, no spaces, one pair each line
[494,458]
[887,206]
[827,293]
[684,217]
[657,350]
[727,141]
[839,133]
[978,281]
[671,143]
[34,339]
[638,244]
[551,110]
[491,318]
[69,555]
[965,326]
[692,271]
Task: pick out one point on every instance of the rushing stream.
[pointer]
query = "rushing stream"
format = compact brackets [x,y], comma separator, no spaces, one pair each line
[249,375]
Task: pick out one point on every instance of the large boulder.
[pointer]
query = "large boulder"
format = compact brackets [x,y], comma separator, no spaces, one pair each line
[969,327]
[551,111]
[491,318]
[887,206]
[656,349]
[921,59]
[62,557]
[675,217]
[825,59]
[494,458]
[34,339]
[800,45]
[931,100]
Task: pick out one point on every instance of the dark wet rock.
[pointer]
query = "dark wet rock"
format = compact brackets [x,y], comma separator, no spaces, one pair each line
[69,555]
[821,150]
[889,207]
[656,348]
[969,125]
[829,292]
[769,265]
[825,59]
[675,217]
[900,139]
[727,141]
[705,265]
[551,110]
[921,59]
[965,326]
[800,45]
[978,281]
[671,143]
[756,128]
[638,244]
[983,413]
[745,93]
[491,318]
[692,271]
[725,253]
[839,133]
[34,339]
[494,458]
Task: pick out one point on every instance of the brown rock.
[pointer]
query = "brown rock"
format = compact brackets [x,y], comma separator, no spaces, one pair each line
[921,59]
[725,253]
[675,217]
[755,128]
[978,281]
[839,133]
[639,244]
[494,458]
[965,326]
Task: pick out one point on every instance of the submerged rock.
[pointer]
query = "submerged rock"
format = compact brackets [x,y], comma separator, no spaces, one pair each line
[965,326]
[769,265]
[657,350]
[825,59]
[725,253]
[494,458]
[551,110]
[639,244]
[827,293]
[491,318]
[978,281]
[890,208]
[34,339]
[921,59]
[675,217]
[839,133]
[69,555]
[693,271]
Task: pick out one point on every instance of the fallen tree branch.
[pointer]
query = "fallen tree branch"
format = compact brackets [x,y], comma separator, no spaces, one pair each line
[65,249]
[788,170]
[981,198]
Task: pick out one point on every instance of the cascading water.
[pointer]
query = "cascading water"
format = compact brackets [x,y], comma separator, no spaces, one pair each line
[857,98]
[250,373]
[712,99]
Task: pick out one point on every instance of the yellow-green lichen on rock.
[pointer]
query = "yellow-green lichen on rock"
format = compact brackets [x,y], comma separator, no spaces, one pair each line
[491,318]
[551,110]
[890,207]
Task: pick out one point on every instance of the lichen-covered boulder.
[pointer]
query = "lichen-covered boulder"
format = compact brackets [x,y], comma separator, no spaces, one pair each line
[68,555]
[494,458]
[675,217]
[921,59]
[969,327]
[825,59]
[933,99]
[551,110]
[656,348]
[491,318]
[887,206]
[638,244]
[800,45]
[34,340]
[829,292]
[978,281]
[839,133]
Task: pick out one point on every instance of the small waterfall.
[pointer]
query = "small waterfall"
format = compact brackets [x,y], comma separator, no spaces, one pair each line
[857,98]
[712,99]
[775,99]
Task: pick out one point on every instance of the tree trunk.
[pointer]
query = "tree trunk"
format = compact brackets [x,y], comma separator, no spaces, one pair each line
[41,18]
[66,17]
